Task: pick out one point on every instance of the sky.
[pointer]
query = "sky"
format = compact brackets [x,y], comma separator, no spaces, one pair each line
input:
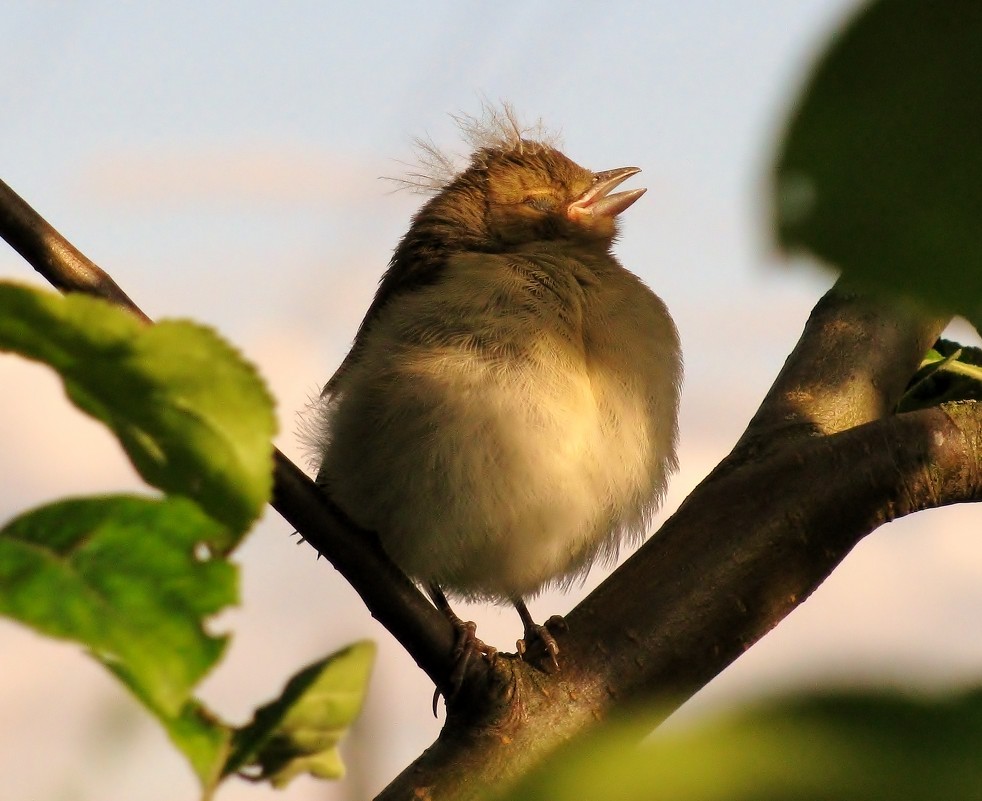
[224,161]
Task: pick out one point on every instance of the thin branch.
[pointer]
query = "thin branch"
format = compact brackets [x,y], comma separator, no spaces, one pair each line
[57,259]
[389,595]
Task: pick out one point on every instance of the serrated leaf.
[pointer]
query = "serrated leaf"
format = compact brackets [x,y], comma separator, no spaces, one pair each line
[193,416]
[880,170]
[299,731]
[125,577]
[848,747]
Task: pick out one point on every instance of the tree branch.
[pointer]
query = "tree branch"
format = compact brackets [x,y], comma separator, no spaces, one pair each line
[742,552]
[851,365]
[391,597]
[823,463]
[57,259]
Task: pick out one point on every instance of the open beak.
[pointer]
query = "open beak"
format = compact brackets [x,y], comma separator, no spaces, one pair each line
[597,200]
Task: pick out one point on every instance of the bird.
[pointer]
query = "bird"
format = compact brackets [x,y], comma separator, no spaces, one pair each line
[507,414]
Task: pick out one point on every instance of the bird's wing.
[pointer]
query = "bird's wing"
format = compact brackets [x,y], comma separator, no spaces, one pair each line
[399,278]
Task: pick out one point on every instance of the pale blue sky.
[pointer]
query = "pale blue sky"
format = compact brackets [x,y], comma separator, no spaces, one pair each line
[690,92]
[221,160]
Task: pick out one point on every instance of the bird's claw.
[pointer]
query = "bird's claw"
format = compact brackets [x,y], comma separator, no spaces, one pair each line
[544,633]
[465,646]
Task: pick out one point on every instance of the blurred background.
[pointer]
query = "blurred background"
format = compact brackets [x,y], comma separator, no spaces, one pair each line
[222,161]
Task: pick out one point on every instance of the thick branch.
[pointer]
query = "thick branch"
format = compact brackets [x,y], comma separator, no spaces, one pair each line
[850,366]
[389,595]
[749,544]
[742,552]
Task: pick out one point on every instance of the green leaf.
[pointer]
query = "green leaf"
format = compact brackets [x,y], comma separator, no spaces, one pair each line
[203,739]
[949,372]
[128,578]
[193,416]
[880,170]
[299,732]
[848,747]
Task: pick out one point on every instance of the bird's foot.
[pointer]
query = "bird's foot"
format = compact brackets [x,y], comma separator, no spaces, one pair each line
[544,634]
[466,646]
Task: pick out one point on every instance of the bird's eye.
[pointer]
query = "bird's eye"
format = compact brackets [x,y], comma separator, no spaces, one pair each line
[541,202]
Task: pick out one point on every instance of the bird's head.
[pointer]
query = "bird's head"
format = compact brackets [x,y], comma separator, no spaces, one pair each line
[510,197]
[535,193]
[516,190]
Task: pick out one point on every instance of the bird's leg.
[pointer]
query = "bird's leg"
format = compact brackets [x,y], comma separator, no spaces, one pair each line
[465,645]
[534,631]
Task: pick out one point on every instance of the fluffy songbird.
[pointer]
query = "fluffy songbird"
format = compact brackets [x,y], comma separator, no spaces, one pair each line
[507,413]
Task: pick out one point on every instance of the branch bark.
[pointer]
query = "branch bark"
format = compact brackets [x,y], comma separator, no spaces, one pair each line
[741,553]
[850,366]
